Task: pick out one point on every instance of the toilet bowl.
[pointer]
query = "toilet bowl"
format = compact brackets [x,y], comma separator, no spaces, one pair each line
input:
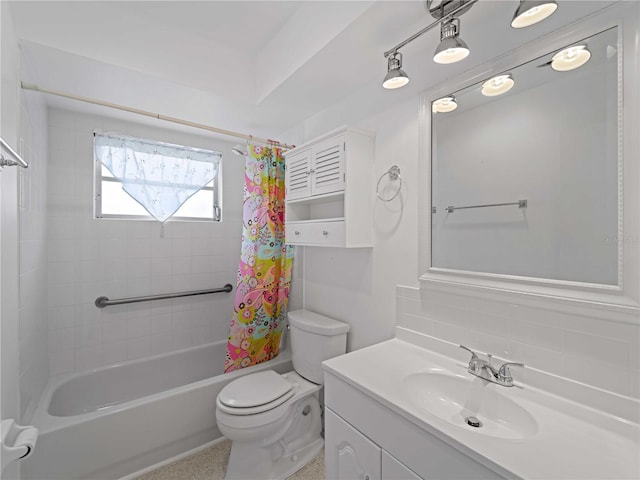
[274,420]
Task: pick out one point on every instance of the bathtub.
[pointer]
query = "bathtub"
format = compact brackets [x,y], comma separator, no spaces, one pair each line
[117,420]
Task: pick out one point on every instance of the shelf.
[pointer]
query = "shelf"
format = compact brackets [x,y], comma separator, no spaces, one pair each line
[316,220]
[315,198]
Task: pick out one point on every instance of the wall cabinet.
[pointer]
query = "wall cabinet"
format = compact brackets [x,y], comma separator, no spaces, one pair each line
[328,200]
[364,438]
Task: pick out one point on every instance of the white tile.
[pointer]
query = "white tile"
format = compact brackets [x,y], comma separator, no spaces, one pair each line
[62,272]
[535,334]
[200,335]
[535,357]
[60,294]
[449,332]
[181,265]
[160,247]
[160,342]
[138,347]
[63,361]
[161,266]
[138,327]
[200,263]
[220,329]
[138,248]
[115,352]
[202,246]
[595,372]
[635,356]
[61,317]
[160,323]
[62,250]
[418,323]
[62,228]
[181,247]
[88,334]
[115,330]
[180,339]
[181,283]
[600,349]
[88,358]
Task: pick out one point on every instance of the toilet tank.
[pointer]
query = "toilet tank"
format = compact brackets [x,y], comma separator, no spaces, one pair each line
[314,339]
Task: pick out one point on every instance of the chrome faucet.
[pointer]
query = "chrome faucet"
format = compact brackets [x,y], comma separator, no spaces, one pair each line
[485,369]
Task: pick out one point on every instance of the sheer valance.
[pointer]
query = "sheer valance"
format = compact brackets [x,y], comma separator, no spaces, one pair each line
[159,176]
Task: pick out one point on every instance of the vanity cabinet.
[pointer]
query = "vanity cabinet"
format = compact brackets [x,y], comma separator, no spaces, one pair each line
[328,194]
[365,438]
[348,453]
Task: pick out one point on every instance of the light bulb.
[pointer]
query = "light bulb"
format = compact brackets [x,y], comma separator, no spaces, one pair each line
[570,58]
[497,85]
[444,104]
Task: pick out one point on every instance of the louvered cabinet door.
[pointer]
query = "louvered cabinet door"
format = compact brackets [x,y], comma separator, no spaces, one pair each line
[298,175]
[328,166]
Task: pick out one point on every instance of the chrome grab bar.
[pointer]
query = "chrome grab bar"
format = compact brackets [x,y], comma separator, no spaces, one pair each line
[520,203]
[102,302]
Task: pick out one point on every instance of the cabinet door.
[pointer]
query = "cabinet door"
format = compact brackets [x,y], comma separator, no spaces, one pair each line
[349,455]
[298,175]
[328,166]
[392,469]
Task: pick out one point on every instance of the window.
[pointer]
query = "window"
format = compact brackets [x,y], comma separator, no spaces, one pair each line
[112,200]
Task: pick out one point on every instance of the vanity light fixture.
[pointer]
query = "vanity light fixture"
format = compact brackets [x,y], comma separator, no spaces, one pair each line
[530,12]
[444,104]
[570,58]
[497,85]
[451,48]
[396,77]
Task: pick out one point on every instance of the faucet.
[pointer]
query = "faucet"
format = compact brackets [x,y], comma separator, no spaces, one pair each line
[485,369]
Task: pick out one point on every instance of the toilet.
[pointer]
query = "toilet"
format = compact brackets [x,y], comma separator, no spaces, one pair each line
[274,420]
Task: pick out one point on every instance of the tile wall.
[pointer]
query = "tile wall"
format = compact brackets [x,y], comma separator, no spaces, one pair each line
[89,258]
[591,349]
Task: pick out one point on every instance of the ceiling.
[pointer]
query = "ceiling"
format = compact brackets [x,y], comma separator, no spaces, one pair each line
[257,67]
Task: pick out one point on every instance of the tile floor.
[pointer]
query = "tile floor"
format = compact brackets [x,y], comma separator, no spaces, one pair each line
[209,464]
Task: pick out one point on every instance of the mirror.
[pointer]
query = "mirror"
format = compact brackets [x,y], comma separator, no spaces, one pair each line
[525,176]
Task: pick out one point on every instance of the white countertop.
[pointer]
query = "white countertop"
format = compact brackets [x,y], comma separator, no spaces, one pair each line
[572,441]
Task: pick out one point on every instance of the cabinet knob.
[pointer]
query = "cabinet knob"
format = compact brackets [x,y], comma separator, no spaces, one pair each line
[325,233]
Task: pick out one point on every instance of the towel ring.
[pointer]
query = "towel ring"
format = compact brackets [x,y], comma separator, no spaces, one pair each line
[394,174]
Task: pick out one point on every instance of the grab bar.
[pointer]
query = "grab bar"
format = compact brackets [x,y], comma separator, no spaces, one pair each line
[102,302]
[10,163]
[520,203]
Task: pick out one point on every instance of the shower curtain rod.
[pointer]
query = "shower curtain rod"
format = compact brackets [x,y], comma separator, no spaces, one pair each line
[31,86]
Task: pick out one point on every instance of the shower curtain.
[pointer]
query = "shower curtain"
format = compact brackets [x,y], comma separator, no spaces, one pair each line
[264,275]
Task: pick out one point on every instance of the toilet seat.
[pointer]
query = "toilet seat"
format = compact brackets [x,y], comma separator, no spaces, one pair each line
[255,393]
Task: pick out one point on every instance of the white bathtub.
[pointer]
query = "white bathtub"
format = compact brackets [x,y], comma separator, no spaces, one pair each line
[113,421]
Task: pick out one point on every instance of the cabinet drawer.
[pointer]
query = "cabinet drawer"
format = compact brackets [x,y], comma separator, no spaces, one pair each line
[327,234]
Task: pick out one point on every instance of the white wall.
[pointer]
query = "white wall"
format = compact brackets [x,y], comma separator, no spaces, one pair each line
[33,332]
[597,347]
[91,257]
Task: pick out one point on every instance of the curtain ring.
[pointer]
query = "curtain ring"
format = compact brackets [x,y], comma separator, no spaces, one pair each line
[394,174]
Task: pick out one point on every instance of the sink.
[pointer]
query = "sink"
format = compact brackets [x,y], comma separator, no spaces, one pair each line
[454,398]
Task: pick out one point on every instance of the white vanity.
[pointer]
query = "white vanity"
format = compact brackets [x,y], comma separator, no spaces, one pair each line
[398,410]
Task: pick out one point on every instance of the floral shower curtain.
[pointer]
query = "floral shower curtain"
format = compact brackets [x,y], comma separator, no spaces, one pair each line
[264,275]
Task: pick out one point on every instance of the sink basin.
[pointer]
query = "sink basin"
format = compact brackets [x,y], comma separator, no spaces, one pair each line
[455,398]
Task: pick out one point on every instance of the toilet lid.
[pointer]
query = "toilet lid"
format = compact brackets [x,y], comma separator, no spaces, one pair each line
[256,389]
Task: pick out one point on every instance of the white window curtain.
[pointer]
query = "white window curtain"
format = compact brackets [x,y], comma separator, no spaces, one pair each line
[159,176]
